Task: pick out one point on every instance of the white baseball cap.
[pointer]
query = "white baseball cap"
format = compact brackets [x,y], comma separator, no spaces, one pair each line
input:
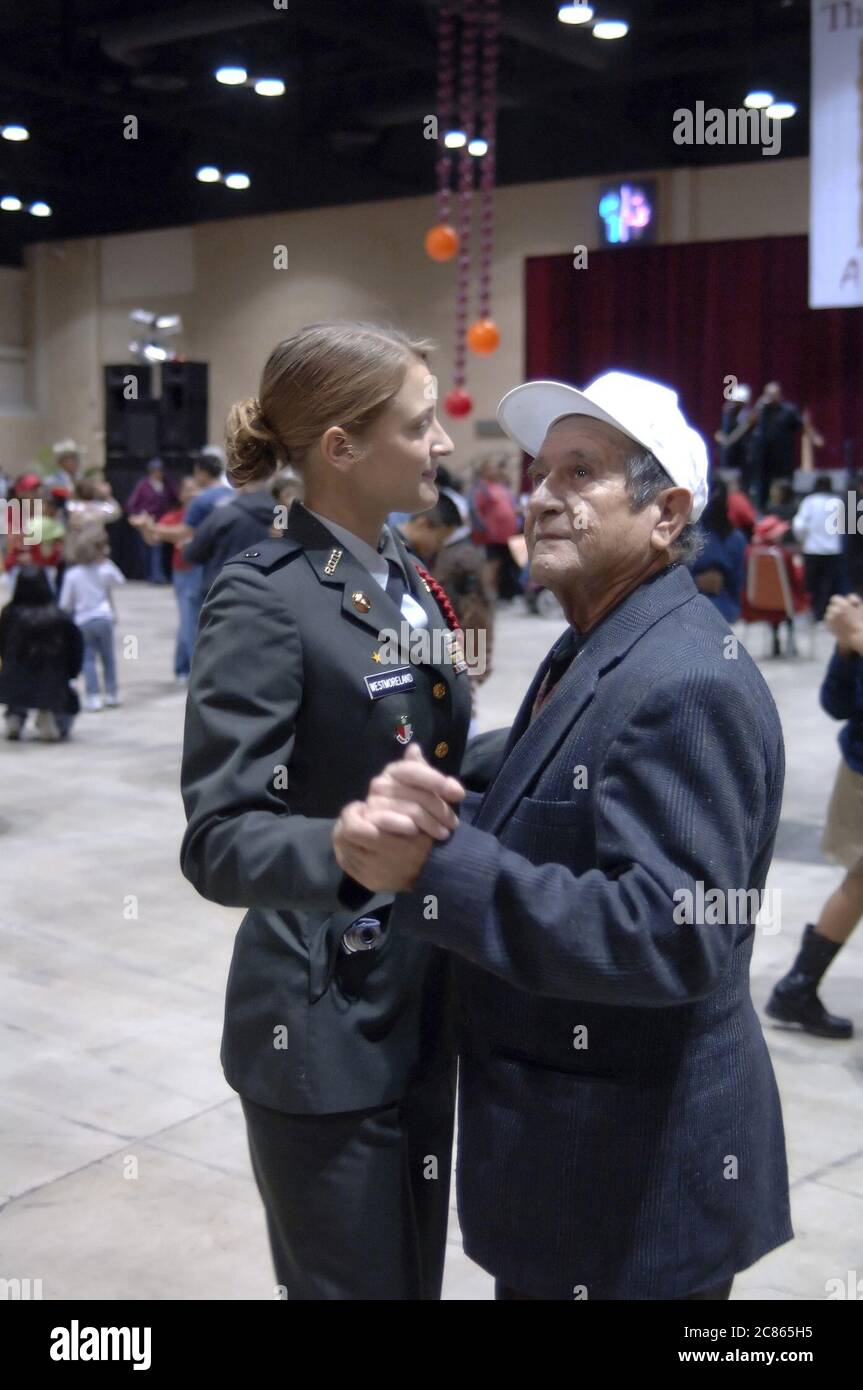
[644,410]
[64,446]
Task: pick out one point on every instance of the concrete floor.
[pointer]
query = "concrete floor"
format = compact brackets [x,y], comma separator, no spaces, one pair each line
[124,1171]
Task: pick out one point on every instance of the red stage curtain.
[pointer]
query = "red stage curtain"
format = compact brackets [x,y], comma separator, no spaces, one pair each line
[694,314]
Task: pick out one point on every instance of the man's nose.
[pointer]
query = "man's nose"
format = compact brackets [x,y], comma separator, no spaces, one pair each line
[542,500]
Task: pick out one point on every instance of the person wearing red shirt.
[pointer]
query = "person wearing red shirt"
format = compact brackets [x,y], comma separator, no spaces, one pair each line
[741,512]
[45,554]
[495,517]
[186,578]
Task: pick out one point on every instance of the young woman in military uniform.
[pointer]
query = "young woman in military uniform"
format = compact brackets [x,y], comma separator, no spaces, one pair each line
[338,1033]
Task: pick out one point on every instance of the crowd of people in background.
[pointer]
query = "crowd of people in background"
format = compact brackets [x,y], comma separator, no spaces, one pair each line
[763,544]
[768,554]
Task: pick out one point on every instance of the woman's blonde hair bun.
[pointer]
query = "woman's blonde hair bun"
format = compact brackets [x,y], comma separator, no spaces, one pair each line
[251,447]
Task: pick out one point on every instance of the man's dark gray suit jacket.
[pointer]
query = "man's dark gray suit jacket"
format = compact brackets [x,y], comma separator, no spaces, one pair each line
[620,1128]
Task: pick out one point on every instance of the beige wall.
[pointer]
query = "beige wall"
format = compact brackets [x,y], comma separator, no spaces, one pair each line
[19,421]
[361,261]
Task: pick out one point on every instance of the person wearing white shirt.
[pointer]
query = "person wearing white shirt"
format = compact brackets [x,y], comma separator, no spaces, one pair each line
[86,594]
[818,527]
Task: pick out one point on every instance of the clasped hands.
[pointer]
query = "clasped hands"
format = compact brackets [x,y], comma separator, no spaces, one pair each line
[844,619]
[144,523]
[384,841]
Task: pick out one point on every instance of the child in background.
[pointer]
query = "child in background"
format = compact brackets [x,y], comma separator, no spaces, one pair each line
[53,532]
[89,510]
[23,548]
[41,651]
[87,596]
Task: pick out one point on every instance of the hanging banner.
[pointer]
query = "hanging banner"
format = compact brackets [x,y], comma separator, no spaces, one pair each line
[836,156]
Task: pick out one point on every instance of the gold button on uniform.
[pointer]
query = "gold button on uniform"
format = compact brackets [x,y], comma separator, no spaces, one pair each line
[439,690]
[361,602]
[441,750]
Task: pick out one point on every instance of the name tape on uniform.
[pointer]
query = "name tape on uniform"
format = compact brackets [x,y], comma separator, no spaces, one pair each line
[402,678]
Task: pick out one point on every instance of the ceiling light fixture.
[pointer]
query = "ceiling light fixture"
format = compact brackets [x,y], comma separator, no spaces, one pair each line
[781,110]
[477,147]
[208,173]
[610,29]
[39,209]
[575,14]
[231,76]
[455,139]
[270,87]
[757,99]
[15,132]
[237,181]
[10,204]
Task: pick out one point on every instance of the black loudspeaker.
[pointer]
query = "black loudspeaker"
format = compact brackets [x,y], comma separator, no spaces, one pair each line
[184,406]
[142,429]
[126,384]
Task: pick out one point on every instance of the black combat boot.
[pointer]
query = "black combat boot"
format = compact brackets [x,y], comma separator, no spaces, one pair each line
[795,999]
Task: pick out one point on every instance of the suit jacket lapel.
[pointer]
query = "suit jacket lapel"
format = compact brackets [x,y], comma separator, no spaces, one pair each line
[531,746]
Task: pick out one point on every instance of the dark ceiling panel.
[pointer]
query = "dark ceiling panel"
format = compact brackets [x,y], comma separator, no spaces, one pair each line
[360,77]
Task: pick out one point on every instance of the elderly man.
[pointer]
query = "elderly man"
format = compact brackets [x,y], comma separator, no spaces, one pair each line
[620,1129]
[67,464]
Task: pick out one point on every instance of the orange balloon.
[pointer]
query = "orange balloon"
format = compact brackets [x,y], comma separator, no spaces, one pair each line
[483,337]
[441,242]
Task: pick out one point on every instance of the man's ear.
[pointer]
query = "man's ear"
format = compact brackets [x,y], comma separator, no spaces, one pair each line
[675,504]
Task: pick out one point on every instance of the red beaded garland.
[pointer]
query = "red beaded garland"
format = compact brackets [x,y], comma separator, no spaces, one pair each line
[440,595]
[478,34]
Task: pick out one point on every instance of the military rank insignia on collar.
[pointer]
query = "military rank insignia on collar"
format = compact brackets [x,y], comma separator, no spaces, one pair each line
[335,556]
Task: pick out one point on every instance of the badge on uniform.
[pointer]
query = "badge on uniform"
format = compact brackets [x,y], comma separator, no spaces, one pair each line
[456,653]
[404,730]
[401,678]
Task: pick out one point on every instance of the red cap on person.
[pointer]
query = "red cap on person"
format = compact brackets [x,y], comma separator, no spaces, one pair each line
[28,482]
